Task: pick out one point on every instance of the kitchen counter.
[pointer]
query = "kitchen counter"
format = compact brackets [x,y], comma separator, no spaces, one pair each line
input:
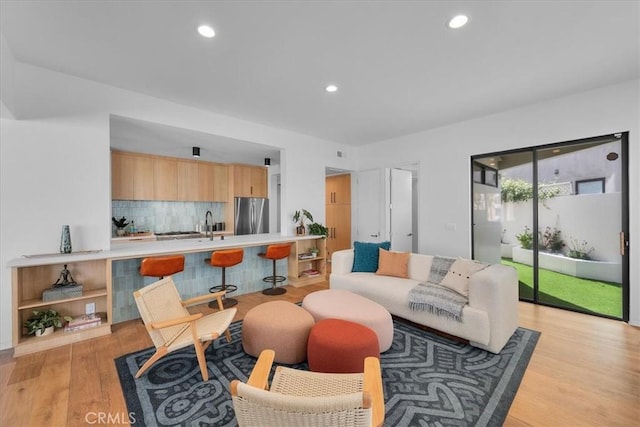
[139,249]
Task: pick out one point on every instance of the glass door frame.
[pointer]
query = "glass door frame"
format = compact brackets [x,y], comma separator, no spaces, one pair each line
[624,225]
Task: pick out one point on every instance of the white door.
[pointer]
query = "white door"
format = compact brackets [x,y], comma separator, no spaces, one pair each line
[401,211]
[369,206]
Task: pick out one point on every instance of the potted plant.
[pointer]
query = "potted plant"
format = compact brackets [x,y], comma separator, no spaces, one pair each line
[120,225]
[299,217]
[43,322]
[526,238]
[316,229]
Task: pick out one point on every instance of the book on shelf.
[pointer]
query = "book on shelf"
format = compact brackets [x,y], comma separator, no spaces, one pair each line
[307,255]
[84,321]
[310,273]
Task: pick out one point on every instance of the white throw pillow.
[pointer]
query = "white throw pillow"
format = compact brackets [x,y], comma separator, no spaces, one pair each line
[457,278]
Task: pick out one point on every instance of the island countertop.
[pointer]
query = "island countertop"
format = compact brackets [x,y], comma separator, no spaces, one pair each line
[139,249]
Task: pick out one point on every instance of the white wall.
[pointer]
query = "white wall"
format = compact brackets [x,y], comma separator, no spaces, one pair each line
[55,164]
[444,160]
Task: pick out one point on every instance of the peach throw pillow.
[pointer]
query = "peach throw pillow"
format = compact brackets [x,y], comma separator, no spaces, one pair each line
[392,263]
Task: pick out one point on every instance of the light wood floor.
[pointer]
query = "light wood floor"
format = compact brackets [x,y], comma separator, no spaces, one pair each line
[585,371]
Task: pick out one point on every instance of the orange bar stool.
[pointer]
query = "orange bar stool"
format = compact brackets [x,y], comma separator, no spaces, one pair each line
[274,253]
[223,259]
[162,266]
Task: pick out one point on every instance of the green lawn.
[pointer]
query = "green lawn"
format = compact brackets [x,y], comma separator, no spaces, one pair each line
[571,292]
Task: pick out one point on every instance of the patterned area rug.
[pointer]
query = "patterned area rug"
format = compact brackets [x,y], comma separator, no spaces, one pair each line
[428,380]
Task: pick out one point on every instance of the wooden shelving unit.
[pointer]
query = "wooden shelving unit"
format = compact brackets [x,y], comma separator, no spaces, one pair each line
[28,283]
[298,266]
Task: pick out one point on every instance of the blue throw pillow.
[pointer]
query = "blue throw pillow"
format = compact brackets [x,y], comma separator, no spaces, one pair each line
[365,256]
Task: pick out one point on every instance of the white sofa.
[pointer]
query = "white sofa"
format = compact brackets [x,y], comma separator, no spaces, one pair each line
[488,321]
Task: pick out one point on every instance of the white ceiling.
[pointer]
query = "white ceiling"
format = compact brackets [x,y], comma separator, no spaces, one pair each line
[399,69]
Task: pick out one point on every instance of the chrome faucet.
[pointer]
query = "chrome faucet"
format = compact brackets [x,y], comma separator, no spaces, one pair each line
[206,225]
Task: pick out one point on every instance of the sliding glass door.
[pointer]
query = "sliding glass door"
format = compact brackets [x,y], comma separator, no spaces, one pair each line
[562,221]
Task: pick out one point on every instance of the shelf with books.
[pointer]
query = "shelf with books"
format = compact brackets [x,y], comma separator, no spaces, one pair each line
[307,262]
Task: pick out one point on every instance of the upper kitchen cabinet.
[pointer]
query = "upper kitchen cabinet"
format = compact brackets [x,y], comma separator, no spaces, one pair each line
[249,181]
[132,176]
[165,179]
[147,177]
[188,179]
[213,182]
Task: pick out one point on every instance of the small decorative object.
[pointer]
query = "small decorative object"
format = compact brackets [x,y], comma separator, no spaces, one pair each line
[300,216]
[120,225]
[64,287]
[43,322]
[65,240]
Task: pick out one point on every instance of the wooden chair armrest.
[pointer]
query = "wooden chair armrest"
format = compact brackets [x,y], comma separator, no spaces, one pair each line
[372,384]
[177,321]
[259,377]
[203,298]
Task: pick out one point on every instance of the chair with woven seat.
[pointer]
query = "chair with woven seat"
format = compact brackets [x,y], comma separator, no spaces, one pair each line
[274,253]
[171,326]
[223,259]
[309,398]
[161,266]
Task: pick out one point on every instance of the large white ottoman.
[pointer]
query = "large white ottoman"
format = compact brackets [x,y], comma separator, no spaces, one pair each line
[341,304]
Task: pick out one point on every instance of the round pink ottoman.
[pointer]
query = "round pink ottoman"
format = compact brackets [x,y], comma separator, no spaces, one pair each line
[278,325]
[341,304]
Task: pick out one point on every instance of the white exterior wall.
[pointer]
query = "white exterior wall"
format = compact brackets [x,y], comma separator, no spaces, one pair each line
[444,223]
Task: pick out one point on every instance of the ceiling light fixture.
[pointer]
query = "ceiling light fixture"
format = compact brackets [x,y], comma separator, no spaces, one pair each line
[206,31]
[331,88]
[458,21]
[195,151]
[267,161]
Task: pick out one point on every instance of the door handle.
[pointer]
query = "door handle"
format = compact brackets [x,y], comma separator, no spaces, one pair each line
[374,235]
[622,243]
[410,234]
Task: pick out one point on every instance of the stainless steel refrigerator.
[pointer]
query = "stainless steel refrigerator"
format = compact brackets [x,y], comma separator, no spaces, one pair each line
[251,215]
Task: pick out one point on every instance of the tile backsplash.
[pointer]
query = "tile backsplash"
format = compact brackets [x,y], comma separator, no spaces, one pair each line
[165,216]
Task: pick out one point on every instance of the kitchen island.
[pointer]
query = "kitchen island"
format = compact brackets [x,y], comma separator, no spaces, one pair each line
[109,278]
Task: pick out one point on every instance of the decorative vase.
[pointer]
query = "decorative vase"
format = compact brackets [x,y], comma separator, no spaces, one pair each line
[47,331]
[65,240]
[120,232]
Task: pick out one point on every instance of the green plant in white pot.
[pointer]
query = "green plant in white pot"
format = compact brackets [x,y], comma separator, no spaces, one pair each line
[43,322]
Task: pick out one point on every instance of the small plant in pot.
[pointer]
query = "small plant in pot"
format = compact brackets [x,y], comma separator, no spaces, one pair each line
[43,322]
[120,225]
[316,229]
[299,217]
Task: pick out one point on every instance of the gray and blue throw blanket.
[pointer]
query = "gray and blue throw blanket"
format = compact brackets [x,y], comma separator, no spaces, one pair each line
[434,298]
[438,300]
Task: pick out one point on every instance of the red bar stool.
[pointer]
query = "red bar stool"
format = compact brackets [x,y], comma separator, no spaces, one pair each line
[274,253]
[162,266]
[225,258]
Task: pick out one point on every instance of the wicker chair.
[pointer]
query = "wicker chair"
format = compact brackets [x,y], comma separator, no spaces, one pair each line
[309,398]
[171,326]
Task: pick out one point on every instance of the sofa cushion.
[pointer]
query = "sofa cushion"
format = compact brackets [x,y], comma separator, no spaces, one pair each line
[439,268]
[457,278]
[391,263]
[365,257]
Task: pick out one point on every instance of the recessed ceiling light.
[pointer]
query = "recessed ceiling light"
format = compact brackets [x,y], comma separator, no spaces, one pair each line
[458,21]
[331,88]
[206,31]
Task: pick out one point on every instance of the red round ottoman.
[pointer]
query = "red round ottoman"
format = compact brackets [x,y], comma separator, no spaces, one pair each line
[340,346]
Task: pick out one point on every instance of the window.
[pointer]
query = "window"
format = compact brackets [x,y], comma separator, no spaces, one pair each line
[483,174]
[590,186]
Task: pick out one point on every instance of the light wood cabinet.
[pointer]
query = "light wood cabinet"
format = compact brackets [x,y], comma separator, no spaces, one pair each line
[131,177]
[221,184]
[188,181]
[165,179]
[297,266]
[249,181]
[145,177]
[338,212]
[28,283]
